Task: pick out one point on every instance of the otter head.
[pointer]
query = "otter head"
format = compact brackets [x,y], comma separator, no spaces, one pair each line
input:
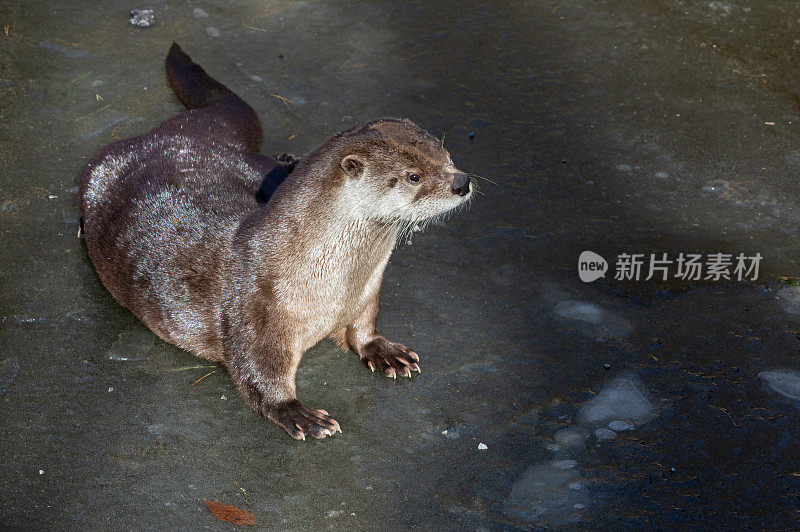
[396,172]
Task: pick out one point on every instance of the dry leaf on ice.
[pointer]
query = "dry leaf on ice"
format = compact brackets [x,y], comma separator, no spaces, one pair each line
[231,514]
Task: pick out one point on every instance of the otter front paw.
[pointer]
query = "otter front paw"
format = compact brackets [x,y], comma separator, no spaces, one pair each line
[300,421]
[389,358]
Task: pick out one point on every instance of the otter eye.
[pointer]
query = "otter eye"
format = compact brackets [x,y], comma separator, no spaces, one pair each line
[414,178]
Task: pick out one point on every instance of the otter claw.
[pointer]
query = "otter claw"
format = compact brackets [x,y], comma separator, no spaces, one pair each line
[300,421]
[389,358]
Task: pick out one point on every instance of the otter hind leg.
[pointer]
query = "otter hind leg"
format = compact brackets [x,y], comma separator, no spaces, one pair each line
[284,410]
[288,160]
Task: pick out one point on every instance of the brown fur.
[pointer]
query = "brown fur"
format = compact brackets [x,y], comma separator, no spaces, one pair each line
[176,235]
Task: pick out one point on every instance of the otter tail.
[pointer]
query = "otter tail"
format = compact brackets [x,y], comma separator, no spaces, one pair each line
[224,114]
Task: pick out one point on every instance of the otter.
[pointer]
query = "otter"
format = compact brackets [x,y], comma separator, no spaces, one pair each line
[247,260]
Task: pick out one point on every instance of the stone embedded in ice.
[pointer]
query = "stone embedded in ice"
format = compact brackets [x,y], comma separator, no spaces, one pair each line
[143,18]
[789,298]
[785,382]
[605,434]
[622,398]
[620,425]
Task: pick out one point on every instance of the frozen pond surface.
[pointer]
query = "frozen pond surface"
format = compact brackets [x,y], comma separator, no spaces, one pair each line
[616,127]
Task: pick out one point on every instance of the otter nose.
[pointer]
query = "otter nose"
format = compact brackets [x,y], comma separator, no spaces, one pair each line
[460,184]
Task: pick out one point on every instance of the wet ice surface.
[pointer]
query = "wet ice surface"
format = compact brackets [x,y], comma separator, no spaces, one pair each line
[131,345]
[569,438]
[8,372]
[544,401]
[539,494]
[596,321]
[550,486]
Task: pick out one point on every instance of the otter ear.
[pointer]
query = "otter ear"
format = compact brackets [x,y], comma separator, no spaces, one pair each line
[353,165]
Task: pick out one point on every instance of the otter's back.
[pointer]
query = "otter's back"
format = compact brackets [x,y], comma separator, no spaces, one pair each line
[159,213]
